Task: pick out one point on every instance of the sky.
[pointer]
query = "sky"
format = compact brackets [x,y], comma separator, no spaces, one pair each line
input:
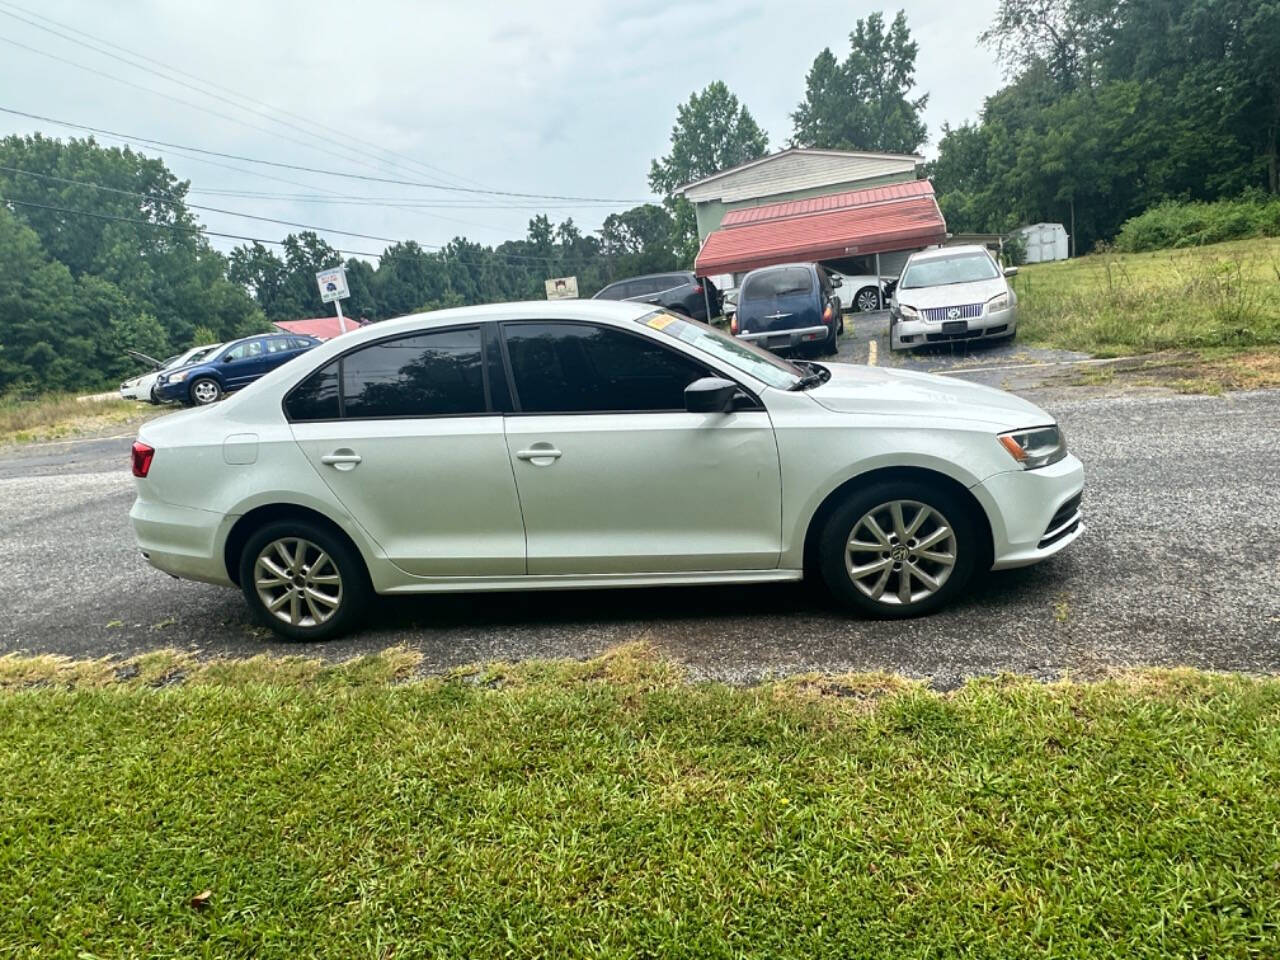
[571,99]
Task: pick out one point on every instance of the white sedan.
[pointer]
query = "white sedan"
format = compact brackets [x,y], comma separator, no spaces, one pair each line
[574,444]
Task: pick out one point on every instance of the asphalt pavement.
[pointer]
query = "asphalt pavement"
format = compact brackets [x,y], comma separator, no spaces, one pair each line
[1180,564]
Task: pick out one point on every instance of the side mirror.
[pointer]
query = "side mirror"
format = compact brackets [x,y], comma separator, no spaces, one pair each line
[1010,271]
[710,395]
[836,282]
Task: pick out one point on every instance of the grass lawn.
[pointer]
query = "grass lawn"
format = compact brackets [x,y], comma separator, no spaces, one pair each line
[54,416]
[1224,297]
[613,809]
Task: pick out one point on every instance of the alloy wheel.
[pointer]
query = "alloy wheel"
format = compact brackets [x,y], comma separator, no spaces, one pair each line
[901,552]
[205,391]
[867,301]
[297,582]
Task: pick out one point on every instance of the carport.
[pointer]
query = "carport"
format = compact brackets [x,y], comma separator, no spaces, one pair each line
[891,218]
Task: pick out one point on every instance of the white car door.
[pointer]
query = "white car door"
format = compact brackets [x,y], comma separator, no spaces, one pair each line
[413,448]
[615,476]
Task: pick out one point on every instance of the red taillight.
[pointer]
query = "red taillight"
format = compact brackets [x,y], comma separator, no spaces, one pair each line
[826,314]
[733,325]
[697,288]
[142,457]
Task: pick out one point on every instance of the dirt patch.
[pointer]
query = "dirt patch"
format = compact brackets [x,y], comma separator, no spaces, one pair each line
[1183,372]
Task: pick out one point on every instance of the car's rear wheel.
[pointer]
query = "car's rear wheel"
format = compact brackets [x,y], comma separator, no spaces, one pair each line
[302,581]
[866,300]
[205,390]
[898,549]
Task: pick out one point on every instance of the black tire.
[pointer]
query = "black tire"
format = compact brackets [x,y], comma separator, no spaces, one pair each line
[846,520]
[862,295]
[353,588]
[203,391]
[153,399]
[831,346]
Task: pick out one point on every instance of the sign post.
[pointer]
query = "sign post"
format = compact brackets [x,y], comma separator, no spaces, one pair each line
[333,287]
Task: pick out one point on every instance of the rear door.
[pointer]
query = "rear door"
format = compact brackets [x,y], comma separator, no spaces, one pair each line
[785,298]
[412,445]
[615,476]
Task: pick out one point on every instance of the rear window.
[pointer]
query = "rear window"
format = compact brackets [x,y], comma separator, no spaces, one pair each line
[962,268]
[778,283]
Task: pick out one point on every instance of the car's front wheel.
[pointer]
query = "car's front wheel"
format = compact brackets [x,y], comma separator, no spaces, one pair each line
[866,300]
[898,549]
[302,581]
[205,390]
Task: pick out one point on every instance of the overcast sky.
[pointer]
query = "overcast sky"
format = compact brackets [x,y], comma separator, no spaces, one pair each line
[570,99]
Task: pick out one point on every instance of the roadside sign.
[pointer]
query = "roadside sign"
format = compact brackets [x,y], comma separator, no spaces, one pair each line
[333,284]
[562,288]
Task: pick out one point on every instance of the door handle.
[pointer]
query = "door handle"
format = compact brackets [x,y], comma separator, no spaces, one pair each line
[535,454]
[341,459]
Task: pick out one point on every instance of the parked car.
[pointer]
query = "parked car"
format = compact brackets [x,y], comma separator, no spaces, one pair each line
[860,294]
[952,293]
[680,291]
[574,444]
[143,387]
[789,306]
[238,364]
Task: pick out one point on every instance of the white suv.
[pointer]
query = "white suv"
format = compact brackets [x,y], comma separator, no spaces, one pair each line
[573,444]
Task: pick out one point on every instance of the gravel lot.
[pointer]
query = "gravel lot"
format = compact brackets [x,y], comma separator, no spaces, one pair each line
[1179,565]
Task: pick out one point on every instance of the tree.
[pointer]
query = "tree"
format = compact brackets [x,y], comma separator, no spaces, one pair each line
[712,132]
[865,102]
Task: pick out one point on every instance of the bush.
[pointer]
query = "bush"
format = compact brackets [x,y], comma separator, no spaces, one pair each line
[1173,224]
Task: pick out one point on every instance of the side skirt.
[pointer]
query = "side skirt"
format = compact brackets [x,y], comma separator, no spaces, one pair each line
[591,582]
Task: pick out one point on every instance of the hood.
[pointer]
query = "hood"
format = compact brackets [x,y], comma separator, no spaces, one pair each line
[952,294]
[876,390]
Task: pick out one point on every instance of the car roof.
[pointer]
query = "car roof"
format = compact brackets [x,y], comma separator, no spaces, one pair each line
[943,252]
[809,265]
[650,276]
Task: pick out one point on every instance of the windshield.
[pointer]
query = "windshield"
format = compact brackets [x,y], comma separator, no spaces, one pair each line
[944,271]
[777,283]
[751,360]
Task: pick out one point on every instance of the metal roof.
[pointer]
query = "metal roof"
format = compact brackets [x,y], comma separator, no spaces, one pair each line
[322,328]
[902,216]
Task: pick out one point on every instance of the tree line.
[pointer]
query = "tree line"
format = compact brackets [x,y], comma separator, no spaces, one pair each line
[1109,109]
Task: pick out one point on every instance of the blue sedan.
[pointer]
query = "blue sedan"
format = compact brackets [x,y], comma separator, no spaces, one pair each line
[236,365]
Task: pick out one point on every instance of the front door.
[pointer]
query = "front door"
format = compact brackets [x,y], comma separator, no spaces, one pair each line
[413,448]
[244,363]
[615,476]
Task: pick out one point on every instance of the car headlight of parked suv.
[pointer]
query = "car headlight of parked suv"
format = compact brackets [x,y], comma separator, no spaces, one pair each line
[999,302]
[1036,446]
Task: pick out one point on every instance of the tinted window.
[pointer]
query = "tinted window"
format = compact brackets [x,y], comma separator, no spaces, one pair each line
[316,398]
[426,375]
[300,344]
[612,292]
[579,368]
[250,348]
[279,345]
[778,283]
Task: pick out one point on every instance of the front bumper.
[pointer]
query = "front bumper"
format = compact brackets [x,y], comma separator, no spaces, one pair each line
[182,541]
[175,392]
[787,339]
[131,391]
[1034,513]
[908,334]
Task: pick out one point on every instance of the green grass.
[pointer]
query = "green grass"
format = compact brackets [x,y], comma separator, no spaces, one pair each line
[53,416]
[613,809]
[1108,304]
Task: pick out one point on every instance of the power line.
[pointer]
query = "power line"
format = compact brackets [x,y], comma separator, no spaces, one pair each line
[209,83]
[197,229]
[305,169]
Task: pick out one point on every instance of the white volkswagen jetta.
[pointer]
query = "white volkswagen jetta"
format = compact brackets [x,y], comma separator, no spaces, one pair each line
[590,443]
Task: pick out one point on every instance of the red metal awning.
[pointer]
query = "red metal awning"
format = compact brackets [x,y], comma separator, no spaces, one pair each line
[903,216]
[322,328]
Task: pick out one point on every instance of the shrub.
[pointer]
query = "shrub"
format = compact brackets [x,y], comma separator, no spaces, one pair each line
[1173,224]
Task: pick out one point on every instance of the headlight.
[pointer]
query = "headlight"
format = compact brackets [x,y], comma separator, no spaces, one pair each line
[998,302]
[908,313]
[1035,447]
[177,377]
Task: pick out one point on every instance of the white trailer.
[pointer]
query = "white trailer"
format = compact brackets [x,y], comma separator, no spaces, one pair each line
[1044,242]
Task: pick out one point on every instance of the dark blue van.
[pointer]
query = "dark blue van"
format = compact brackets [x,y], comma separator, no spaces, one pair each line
[789,306]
